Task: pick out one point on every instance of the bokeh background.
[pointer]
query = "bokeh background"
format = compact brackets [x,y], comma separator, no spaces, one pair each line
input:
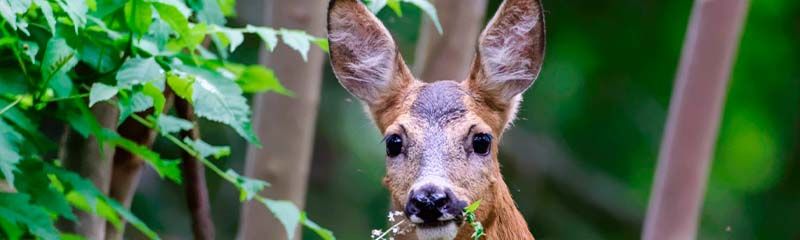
[581,157]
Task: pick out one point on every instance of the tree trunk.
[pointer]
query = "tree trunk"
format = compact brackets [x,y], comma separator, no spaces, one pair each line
[448,56]
[127,167]
[284,124]
[194,179]
[694,115]
[91,160]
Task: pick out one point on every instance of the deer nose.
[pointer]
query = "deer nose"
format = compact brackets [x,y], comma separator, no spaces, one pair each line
[431,204]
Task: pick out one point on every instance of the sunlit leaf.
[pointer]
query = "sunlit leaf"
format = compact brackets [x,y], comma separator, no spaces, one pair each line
[76,10]
[137,71]
[286,212]
[101,92]
[297,40]
[248,187]
[257,78]
[9,151]
[138,16]
[206,150]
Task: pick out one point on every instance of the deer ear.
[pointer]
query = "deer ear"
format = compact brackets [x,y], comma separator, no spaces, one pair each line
[363,53]
[510,53]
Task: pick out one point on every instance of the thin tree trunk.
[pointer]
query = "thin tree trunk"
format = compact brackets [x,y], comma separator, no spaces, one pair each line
[284,124]
[694,115]
[194,179]
[127,167]
[448,56]
[90,159]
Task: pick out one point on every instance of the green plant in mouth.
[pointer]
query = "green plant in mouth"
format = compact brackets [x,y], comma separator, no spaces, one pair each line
[469,216]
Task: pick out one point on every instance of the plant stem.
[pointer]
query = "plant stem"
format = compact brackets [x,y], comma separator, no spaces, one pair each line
[390,229]
[6,108]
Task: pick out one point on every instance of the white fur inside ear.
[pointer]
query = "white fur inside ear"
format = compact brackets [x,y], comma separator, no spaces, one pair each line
[506,47]
[370,55]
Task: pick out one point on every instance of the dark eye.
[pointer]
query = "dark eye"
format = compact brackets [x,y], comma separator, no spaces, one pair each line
[394,145]
[481,143]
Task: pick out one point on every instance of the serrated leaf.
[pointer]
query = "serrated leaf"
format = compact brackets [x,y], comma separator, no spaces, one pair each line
[9,151]
[136,71]
[219,99]
[59,58]
[429,10]
[16,208]
[268,35]
[206,150]
[297,40]
[138,16]
[77,11]
[257,78]
[234,37]
[47,11]
[169,124]
[248,187]
[286,213]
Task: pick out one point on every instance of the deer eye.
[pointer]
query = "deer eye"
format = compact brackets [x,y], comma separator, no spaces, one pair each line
[394,145]
[481,143]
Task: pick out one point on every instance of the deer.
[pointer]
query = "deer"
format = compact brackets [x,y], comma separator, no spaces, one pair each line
[442,137]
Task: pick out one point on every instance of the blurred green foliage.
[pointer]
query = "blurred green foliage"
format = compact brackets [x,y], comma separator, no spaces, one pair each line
[581,157]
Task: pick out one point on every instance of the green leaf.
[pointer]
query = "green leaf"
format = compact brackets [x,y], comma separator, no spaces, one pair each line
[101,92]
[36,183]
[209,12]
[257,78]
[169,124]
[59,58]
[297,40]
[47,11]
[174,18]
[429,9]
[286,212]
[322,43]
[473,206]
[165,168]
[395,6]
[76,10]
[61,85]
[219,99]
[375,6]
[323,233]
[87,197]
[248,187]
[181,84]
[16,208]
[9,151]
[157,95]
[233,36]
[136,71]
[228,7]
[138,16]
[30,49]
[205,150]
[268,35]
[8,14]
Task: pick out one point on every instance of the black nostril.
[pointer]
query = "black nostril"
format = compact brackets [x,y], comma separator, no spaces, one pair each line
[428,203]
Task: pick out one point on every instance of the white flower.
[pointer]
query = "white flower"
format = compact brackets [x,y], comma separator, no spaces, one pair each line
[376,232]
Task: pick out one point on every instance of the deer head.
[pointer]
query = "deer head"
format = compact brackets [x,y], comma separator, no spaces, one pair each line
[441,138]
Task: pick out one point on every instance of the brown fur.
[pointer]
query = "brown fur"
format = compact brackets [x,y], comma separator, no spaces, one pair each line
[437,120]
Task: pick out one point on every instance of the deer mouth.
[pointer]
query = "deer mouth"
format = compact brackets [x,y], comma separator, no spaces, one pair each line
[441,230]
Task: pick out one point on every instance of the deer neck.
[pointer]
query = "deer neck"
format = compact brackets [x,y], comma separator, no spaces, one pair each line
[499,215]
